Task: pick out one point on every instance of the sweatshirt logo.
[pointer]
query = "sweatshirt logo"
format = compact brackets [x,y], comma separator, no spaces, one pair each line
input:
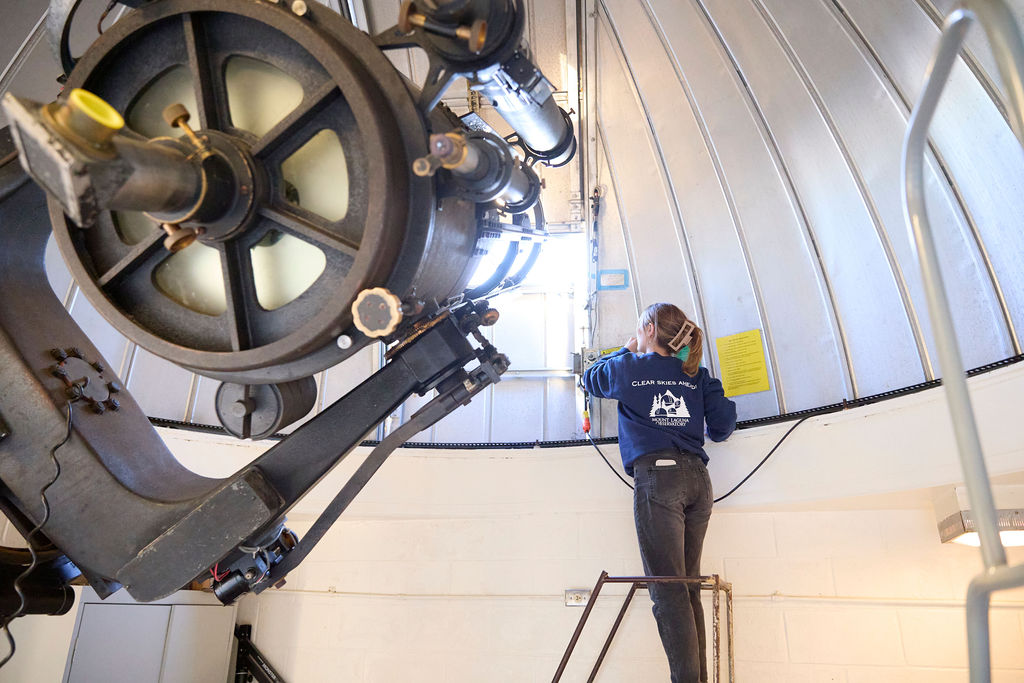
[668,405]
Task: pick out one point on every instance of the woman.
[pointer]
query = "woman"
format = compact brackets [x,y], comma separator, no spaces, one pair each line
[665,398]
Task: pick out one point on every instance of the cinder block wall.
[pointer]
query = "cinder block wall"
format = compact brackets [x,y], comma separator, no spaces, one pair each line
[452,567]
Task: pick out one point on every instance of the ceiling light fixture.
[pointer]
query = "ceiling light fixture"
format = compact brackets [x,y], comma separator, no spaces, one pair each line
[957,524]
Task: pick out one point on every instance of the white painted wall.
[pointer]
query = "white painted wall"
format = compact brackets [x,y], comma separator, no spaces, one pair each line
[854,595]
[452,564]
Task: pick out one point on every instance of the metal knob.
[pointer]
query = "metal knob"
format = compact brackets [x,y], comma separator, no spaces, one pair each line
[177,237]
[177,116]
[475,34]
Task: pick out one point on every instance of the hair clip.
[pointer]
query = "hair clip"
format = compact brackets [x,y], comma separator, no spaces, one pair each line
[683,337]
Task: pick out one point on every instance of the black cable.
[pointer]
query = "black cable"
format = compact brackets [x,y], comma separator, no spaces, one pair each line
[28,538]
[614,471]
[733,489]
[763,461]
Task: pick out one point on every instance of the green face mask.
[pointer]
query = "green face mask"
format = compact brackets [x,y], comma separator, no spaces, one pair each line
[683,353]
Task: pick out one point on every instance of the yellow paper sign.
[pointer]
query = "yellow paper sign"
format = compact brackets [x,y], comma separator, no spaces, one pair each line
[742,363]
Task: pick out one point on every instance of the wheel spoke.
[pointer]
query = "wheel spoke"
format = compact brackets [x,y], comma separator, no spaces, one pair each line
[240,291]
[334,236]
[202,74]
[130,262]
[311,104]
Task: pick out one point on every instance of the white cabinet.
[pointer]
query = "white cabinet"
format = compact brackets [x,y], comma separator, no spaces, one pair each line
[186,638]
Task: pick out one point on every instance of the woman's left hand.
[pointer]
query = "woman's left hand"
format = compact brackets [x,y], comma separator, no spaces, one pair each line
[631,344]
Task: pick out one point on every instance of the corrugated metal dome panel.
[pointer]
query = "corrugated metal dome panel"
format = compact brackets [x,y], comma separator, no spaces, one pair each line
[752,151]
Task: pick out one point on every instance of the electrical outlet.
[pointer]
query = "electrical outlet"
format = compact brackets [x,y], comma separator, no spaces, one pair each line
[577,597]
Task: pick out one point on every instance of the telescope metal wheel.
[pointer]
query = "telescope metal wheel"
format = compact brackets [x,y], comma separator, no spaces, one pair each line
[324,124]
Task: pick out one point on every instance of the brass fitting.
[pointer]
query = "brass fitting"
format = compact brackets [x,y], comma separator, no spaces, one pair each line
[178,237]
[86,118]
[447,150]
[177,116]
[475,34]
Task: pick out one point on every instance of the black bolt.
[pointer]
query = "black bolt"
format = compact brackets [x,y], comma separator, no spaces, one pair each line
[98,366]
[74,391]
[59,371]
[114,404]
[99,408]
[113,387]
[75,352]
[59,354]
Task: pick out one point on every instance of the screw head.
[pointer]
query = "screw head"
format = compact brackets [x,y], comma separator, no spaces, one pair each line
[421,167]
[98,366]
[59,354]
[59,371]
[99,408]
[113,387]
[250,575]
[74,392]
[299,8]
[74,352]
[114,404]
[344,342]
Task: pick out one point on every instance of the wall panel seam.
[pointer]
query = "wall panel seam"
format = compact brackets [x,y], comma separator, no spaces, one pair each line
[876,219]
[972,225]
[730,202]
[673,201]
[190,403]
[839,328]
[23,52]
[623,222]
[624,226]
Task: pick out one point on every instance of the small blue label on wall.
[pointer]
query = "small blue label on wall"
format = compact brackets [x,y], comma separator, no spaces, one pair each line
[612,279]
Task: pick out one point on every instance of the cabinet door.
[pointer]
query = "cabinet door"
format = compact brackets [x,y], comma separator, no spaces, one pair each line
[198,644]
[119,643]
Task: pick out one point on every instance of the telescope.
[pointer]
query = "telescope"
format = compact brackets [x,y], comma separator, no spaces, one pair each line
[251,190]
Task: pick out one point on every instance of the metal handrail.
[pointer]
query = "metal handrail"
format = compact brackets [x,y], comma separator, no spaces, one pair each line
[1008,50]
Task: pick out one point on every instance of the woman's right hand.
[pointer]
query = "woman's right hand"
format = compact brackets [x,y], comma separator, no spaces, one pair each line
[631,345]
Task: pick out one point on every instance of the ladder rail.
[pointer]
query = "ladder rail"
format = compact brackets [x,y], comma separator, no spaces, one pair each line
[712,583]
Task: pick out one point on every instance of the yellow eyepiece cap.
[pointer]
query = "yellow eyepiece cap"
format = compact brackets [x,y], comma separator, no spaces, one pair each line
[96,109]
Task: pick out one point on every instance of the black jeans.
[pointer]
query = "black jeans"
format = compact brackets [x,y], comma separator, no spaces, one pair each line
[672,506]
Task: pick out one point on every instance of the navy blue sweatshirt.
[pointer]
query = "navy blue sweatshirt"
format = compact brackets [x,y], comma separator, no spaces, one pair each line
[660,406]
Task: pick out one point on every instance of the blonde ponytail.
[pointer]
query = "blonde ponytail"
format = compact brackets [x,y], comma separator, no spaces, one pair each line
[677,333]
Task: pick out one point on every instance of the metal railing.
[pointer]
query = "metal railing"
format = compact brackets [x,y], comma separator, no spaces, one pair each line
[1008,50]
[712,583]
